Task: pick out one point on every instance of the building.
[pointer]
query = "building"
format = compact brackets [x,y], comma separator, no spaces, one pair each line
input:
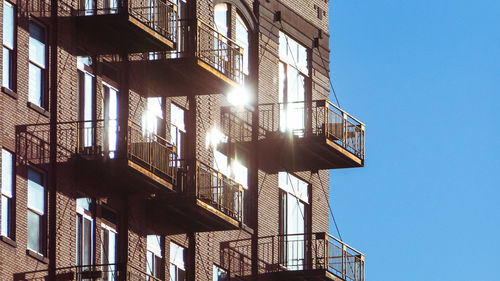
[158,140]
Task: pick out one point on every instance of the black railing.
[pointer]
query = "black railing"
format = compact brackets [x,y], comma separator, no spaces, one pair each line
[97,139]
[279,119]
[97,272]
[159,15]
[295,252]
[213,188]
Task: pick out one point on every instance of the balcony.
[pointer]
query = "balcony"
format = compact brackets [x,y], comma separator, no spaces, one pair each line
[289,139]
[114,27]
[304,257]
[206,200]
[92,147]
[100,272]
[213,65]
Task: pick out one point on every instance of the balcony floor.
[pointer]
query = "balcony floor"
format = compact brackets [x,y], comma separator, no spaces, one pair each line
[280,153]
[177,77]
[187,214]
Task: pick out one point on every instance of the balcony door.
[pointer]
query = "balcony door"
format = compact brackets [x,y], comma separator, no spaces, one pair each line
[110,119]
[294,205]
[86,101]
[293,71]
[221,26]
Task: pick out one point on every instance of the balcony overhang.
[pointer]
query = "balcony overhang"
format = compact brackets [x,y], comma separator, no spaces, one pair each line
[172,77]
[117,34]
[179,213]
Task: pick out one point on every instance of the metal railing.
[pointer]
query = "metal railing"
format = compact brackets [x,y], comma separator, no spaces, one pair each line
[151,151]
[97,139]
[219,51]
[160,16]
[97,272]
[295,252]
[213,187]
[277,119]
[211,47]
[218,190]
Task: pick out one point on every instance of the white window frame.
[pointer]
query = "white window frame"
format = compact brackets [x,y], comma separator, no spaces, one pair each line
[7,194]
[37,212]
[154,256]
[109,267]
[82,215]
[217,271]
[37,98]
[8,47]
[176,262]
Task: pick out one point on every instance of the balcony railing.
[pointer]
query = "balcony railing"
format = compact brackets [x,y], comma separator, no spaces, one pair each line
[160,16]
[215,189]
[99,272]
[96,139]
[214,49]
[296,252]
[278,119]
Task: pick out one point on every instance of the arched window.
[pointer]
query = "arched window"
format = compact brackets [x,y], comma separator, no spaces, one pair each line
[242,40]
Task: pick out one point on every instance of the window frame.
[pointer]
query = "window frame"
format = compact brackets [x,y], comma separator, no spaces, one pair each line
[157,258]
[82,215]
[216,269]
[44,98]
[174,266]
[43,217]
[11,207]
[12,67]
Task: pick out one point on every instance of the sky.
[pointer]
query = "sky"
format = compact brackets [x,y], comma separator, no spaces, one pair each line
[424,76]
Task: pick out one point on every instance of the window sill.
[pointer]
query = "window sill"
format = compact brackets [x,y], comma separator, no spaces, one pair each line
[8,241]
[37,256]
[39,109]
[10,93]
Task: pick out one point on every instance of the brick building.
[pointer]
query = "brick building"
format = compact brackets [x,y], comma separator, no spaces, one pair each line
[158,140]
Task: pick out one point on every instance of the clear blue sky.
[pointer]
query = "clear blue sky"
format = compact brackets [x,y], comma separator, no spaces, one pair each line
[424,75]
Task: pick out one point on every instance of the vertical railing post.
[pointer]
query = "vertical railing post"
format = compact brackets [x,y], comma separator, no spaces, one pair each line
[344,261]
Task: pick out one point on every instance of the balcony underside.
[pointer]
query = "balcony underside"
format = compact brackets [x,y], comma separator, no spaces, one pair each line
[116,34]
[295,154]
[177,77]
[303,275]
[105,177]
[179,213]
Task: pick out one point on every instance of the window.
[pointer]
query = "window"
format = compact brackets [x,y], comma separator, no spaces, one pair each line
[7,194]
[293,70]
[111,118]
[177,269]
[152,116]
[242,41]
[177,129]
[220,44]
[36,212]
[8,45]
[108,252]
[154,258]
[294,199]
[84,232]
[86,92]
[37,65]
[219,274]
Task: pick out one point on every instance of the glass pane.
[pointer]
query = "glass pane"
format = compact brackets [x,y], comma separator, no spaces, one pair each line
[220,16]
[177,117]
[88,230]
[5,217]
[113,123]
[87,110]
[6,67]
[37,45]
[150,263]
[173,273]
[242,40]
[35,85]
[36,192]
[177,255]
[154,244]
[84,203]
[181,275]
[7,173]
[34,231]
[8,25]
